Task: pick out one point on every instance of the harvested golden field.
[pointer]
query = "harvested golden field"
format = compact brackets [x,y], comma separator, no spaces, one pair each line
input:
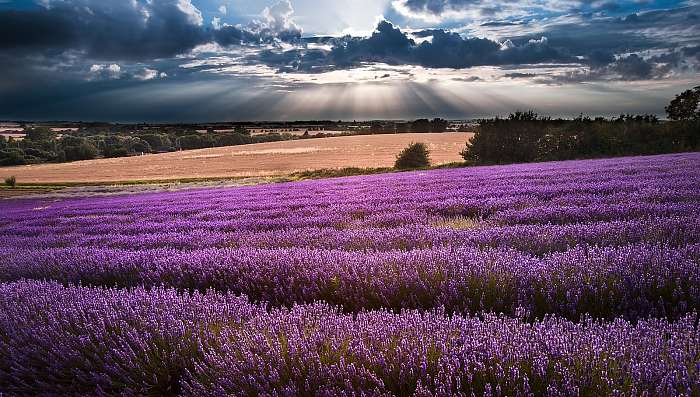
[264,159]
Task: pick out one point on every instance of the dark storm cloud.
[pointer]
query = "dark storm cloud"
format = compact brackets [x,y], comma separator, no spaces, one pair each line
[633,67]
[436,6]
[232,35]
[444,50]
[125,30]
[439,8]
[692,52]
[104,30]
[45,48]
[143,31]
[635,32]
[606,51]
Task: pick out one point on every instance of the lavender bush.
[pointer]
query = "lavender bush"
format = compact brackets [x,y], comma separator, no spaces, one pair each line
[570,278]
[78,340]
[633,281]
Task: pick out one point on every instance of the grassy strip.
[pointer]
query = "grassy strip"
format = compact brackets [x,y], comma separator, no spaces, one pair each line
[338,173]
[29,186]
[59,185]
[354,171]
[295,176]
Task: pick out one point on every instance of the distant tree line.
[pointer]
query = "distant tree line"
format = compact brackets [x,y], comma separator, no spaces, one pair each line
[42,145]
[416,126]
[527,137]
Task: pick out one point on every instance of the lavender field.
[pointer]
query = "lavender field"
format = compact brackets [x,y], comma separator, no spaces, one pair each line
[558,279]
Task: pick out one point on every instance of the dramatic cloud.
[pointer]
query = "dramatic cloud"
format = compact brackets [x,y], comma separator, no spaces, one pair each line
[444,50]
[61,53]
[633,67]
[277,21]
[104,29]
[438,48]
[437,10]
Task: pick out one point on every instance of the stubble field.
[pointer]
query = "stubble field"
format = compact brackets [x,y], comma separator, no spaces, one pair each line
[265,159]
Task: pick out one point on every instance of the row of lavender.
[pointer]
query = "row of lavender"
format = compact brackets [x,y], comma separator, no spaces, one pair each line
[57,340]
[535,239]
[633,281]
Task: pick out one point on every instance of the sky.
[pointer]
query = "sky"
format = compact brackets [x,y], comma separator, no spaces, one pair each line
[242,60]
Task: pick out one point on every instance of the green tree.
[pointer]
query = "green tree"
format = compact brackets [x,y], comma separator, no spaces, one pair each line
[39,134]
[241,130]
[438,125]
[156,141]
[232,139]
[421,125]
[82,151]
[115,151]
[416,155]
[137,145]
[12,156]
[195,141]
[685,105]
[502,141]
[70,140]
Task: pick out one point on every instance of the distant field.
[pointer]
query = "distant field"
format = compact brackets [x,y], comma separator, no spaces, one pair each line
[264,159]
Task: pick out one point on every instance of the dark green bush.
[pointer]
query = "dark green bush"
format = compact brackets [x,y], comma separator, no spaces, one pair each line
[11,181]
[416,155]
[232,139]
[70,140]
[139,146]
[83,151]
[115,151]
[12,156]
[157,142]
[195,141]
[512,140]
[39,134]
[525,137]
[41,155]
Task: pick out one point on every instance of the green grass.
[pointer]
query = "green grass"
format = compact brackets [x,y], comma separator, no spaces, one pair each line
[29,186]
[296,176]
[354,171]
[58,185]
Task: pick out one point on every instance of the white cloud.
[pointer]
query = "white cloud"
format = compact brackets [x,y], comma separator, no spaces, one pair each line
[223,10]
[193,14]
[146,74]
[277,18]
[104,72]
